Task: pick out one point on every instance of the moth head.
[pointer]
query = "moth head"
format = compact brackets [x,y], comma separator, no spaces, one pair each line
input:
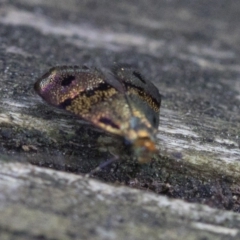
[142,140]
[144,147]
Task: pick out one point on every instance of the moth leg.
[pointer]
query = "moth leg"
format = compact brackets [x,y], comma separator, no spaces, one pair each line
[102,165]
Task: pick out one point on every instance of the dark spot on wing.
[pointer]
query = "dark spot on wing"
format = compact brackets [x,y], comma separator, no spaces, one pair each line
[100,87]
[109,122]
[139,76]
[66,103]
[67,80]
[88,93]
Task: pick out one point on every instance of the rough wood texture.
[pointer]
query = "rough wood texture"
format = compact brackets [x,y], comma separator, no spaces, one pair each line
[38,203]
[190,50]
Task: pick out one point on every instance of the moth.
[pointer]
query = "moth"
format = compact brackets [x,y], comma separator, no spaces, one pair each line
[119,101]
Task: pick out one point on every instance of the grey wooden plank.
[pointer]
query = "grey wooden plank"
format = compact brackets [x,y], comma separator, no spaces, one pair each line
[38,202]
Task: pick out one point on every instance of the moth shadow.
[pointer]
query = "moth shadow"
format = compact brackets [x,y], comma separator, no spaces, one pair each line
[85,150]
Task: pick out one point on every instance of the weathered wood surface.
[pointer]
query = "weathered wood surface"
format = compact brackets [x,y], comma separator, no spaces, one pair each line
[191,52]
[38,203]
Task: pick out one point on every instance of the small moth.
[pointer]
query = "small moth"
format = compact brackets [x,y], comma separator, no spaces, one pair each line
[121,102]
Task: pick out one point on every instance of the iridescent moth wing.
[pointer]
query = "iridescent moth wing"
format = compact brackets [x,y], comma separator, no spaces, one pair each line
[144,101]
[120,102]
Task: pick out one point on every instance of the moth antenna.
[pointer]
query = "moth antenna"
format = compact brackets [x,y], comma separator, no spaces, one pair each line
[102,165]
